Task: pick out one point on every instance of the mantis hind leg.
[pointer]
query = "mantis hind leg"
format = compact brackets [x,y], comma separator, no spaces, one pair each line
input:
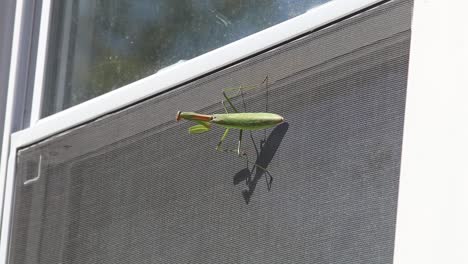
[268,176]
[240,91]
[244,156]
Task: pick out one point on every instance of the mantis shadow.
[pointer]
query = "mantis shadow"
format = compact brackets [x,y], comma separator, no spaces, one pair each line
[268,150]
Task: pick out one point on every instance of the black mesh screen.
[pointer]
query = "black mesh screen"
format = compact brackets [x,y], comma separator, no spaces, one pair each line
[135,187]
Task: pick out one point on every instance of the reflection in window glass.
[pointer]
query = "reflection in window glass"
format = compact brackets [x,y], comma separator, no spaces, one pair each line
[98,46]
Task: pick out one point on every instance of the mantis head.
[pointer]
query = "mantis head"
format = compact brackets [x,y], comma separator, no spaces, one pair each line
[202,121]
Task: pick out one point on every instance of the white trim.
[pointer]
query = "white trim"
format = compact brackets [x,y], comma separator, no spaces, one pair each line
[191,69]
[8,204]
[8,164]
[40,62]
[432,217]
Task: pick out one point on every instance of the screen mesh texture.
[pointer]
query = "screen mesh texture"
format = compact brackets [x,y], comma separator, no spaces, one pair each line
[134,187]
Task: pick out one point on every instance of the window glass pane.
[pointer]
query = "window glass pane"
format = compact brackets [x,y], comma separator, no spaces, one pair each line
[98,46]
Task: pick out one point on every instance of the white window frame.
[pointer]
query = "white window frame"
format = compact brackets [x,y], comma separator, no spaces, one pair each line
[181,73]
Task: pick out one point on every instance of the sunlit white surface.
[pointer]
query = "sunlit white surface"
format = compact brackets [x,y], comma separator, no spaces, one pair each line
[6,187]
[432,222]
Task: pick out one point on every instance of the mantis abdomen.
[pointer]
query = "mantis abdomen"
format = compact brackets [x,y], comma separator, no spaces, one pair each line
[247,121]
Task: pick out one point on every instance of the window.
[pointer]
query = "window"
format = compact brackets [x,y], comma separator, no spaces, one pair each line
[91,192]
[99,46]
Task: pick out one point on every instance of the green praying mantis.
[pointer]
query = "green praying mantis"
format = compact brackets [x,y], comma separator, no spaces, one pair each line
[237,120]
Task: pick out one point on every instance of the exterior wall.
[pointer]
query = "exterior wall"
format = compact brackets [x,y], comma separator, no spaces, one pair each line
[433,200]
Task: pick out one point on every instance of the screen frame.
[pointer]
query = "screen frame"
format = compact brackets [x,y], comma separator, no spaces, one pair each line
[134,92]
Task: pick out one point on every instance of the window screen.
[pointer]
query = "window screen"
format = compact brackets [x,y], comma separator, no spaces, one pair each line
[134,187]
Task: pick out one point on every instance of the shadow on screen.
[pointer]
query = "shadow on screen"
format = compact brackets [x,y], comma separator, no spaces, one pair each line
[267,151]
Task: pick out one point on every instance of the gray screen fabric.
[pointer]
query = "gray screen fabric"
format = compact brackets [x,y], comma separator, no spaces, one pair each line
[135,187]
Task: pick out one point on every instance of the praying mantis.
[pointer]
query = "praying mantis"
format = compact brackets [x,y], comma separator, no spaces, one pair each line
[237,120]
